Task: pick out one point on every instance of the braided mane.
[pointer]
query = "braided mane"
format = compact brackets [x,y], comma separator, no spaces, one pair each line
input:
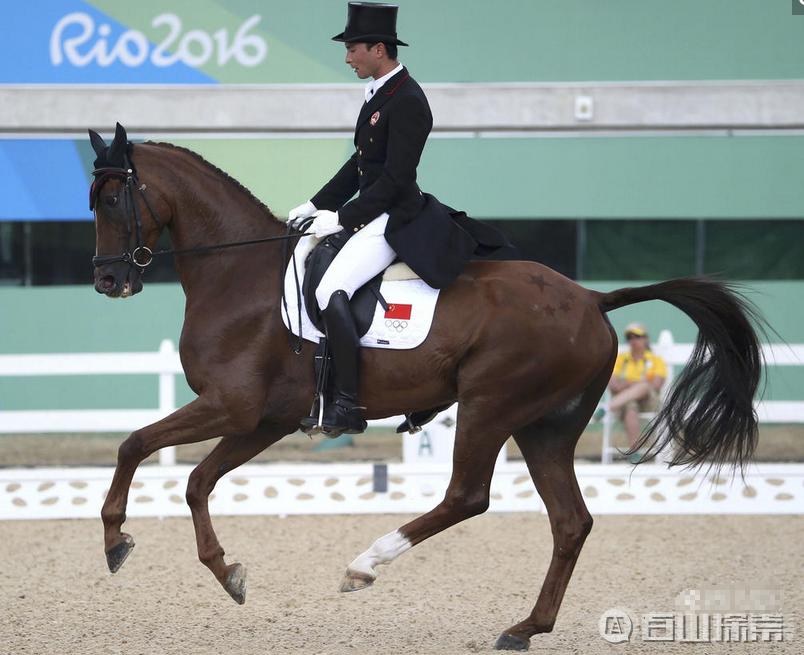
[238,185]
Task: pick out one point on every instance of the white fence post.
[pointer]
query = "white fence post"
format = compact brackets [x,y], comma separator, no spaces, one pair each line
[167,396]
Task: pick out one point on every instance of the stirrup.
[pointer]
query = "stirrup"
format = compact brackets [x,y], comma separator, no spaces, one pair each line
[415,420]
[312,425]
[411,427]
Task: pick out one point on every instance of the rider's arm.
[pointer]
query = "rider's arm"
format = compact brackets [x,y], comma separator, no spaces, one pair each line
[343,185]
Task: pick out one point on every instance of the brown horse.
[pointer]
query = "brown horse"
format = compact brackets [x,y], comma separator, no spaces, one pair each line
[523,350]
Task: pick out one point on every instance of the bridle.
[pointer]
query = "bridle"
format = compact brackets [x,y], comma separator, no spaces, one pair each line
[141,256]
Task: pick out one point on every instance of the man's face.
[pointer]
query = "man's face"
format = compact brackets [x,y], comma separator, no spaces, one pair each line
[364,62]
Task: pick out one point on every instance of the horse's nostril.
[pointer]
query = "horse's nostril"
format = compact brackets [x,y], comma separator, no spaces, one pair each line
[108,282]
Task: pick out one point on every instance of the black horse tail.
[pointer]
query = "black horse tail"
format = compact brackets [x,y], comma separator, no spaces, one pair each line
[708,415]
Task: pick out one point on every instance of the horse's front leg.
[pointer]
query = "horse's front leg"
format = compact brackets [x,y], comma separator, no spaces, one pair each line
[197,421]
[230,453]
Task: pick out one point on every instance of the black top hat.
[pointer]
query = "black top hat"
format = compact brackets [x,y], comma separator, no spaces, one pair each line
[370,22]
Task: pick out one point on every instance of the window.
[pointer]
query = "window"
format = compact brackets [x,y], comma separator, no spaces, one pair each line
[60,252]
[549,242]
[639,250]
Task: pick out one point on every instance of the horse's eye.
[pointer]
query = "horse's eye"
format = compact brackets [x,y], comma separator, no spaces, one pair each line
[110,200]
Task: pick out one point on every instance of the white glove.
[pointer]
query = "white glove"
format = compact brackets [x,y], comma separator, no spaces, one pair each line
[298,214]
[325,223]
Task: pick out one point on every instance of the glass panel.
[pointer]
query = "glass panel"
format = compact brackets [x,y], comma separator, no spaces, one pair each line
[12,265]
[755,250]
[549,242]
[639,250]
[61,253]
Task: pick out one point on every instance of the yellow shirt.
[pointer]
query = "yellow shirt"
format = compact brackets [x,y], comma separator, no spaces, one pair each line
[647,368]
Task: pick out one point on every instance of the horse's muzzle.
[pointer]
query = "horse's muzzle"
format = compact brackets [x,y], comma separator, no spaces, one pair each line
[115,286]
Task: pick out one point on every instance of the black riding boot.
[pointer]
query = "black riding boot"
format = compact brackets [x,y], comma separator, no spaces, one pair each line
[343,414]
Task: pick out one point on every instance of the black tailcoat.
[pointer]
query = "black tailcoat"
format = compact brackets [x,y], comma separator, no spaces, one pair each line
[433,239]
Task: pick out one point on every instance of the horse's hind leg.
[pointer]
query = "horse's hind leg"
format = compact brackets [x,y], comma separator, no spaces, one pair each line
[548,446]
[197,421]
[230,453]
[477,445]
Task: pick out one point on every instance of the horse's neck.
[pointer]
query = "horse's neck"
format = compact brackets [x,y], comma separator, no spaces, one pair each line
[215,214]
[212,214]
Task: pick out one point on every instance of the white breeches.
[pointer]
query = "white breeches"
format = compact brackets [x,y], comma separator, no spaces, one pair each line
[365,254]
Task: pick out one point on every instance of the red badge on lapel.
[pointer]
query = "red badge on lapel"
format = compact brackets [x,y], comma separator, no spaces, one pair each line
[375,117]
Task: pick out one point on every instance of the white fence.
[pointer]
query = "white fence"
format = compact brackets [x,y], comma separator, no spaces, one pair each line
[341,488]
[166,365]
[351,488]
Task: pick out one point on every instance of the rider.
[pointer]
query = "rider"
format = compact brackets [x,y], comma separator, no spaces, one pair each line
[390,218]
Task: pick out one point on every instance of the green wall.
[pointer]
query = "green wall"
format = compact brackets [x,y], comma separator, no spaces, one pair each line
[76,319]
[619,177]
[573,177]
[508,40]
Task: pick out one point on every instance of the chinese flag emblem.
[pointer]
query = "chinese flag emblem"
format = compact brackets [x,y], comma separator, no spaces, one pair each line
[400,312]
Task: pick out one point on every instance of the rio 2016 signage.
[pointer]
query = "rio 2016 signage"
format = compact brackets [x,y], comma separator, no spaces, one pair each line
[165,42]
[77,41]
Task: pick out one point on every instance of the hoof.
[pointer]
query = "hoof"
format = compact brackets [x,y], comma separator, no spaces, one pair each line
[355,581]
[509,642]
[236,584]
[117,555]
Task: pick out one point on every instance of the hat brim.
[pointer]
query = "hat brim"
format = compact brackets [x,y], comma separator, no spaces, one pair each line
[638,333]
[368,38]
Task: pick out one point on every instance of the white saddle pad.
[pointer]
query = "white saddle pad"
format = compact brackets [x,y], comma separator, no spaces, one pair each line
[406,324]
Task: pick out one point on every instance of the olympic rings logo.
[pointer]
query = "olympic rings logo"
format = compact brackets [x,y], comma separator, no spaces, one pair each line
[396,325]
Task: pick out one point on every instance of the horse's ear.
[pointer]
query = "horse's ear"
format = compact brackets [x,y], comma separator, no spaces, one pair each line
[98,144]
[117,148]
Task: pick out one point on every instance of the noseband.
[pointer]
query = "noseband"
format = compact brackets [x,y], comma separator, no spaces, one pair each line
[142,255]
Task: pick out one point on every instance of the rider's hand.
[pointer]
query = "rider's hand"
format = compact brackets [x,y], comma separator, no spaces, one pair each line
[325,223]
[298,214]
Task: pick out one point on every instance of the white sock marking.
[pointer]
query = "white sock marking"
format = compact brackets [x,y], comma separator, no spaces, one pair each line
[383,551]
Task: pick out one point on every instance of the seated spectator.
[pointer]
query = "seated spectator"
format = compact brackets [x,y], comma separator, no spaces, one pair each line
[635,383]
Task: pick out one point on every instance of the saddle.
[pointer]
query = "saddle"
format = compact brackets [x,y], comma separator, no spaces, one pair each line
[363,305]
[364,300]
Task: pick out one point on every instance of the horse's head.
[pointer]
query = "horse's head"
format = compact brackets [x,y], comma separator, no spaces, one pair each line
[126,226]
